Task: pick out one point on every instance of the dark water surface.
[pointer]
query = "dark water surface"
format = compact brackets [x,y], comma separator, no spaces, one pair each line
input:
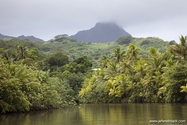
[103,114]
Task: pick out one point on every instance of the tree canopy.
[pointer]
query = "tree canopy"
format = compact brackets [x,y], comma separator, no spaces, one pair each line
[159,77]
[36,75]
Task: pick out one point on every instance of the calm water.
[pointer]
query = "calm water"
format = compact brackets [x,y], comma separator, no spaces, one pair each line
[103,114]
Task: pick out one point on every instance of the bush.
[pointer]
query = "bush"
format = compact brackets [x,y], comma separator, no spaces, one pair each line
[144,42]
[57,59]
[172,42]
[124,40]
[24,88]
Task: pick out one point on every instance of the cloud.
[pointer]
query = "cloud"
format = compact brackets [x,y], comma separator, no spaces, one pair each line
[47,18]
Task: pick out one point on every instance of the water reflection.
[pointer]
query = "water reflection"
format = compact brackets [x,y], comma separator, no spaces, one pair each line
[100,114]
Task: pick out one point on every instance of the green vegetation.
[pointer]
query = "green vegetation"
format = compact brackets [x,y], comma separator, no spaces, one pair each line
[128,77]
[74,49]
[24,88]
[40,75]
[30,82]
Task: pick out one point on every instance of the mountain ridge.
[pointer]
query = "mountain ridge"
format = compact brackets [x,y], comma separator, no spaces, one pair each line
[102,32]
[22,37]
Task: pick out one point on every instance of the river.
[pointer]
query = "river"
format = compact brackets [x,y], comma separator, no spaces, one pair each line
[103,114]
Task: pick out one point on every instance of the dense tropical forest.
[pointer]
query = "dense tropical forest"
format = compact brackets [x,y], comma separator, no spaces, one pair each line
[74,49]
[40,75]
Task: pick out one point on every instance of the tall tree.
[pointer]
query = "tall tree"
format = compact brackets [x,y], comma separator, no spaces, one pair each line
[104,61]
[133,53]
[58,37]
[117,55]
[21,52]
[7,54]
[181,49]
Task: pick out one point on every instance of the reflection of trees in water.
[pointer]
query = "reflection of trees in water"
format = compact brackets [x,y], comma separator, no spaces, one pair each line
[99,114]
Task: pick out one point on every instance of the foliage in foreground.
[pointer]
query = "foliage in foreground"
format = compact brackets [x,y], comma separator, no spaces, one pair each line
[127,77]
[23,88]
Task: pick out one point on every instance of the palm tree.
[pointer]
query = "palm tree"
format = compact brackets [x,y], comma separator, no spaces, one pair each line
[112,70]
[7,54]
[133,53]
[21,52]
[181,49]
[104,61]
[117,85]
[126,67]
[117,55]
[184,88]
[155,60]
[140,68]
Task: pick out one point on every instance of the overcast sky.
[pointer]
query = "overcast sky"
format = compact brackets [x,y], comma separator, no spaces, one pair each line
[166,19]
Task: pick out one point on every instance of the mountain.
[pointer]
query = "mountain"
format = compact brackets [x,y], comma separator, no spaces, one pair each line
[29,37]
[22,37]
[4,36]
[102,32]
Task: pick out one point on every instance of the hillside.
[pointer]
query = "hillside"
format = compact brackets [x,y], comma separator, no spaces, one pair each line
[93,51]
[101,33]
